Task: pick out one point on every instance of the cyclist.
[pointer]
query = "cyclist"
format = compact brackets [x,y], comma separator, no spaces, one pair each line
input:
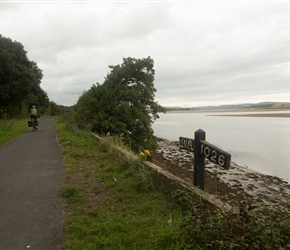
[33,114]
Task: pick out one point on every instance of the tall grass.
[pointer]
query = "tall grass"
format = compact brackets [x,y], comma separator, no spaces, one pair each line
[9,129]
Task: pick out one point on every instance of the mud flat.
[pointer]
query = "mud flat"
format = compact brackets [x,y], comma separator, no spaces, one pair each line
[261,187]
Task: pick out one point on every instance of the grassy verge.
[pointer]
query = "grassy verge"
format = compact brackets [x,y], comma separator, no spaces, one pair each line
[110,199]
[11,129]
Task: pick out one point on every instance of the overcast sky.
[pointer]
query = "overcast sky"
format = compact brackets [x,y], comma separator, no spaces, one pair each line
[204,52]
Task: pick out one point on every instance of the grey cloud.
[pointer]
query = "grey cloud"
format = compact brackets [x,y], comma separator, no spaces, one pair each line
[203,52]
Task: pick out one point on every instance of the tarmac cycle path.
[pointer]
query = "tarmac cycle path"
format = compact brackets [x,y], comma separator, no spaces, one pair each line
[31,174]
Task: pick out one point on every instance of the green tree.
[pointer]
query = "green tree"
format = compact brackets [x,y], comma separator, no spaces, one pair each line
[20,79]
[55,109]
[124,104]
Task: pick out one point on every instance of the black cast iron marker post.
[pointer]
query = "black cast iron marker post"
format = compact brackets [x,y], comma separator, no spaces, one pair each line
[199,162]
[203,149]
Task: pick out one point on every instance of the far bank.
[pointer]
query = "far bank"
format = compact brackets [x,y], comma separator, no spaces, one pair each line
[240,112]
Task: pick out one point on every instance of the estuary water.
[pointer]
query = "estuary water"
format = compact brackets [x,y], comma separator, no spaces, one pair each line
[259,143]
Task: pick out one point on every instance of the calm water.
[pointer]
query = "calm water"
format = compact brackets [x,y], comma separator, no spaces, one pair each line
[260,143]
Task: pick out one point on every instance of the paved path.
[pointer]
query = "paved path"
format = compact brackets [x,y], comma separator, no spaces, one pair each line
[31,173]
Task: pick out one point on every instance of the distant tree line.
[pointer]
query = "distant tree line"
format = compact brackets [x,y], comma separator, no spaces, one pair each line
[20,81]
[123,105]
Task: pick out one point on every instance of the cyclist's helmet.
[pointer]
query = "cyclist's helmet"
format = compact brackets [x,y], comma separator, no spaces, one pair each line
[33,106]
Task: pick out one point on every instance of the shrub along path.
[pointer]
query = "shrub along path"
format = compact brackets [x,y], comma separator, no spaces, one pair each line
[31,173]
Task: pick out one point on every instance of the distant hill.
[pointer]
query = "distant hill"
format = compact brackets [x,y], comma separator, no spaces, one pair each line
[260,105]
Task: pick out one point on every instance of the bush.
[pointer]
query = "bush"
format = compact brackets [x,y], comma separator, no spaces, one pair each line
[258,226]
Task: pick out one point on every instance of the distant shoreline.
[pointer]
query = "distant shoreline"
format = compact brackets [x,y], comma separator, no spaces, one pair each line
[277,115]
[261,112]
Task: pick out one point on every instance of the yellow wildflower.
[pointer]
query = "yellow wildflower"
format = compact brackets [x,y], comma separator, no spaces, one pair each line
[146,152]
[142,154]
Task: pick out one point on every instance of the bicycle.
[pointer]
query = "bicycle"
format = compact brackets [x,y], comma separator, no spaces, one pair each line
[33,123]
